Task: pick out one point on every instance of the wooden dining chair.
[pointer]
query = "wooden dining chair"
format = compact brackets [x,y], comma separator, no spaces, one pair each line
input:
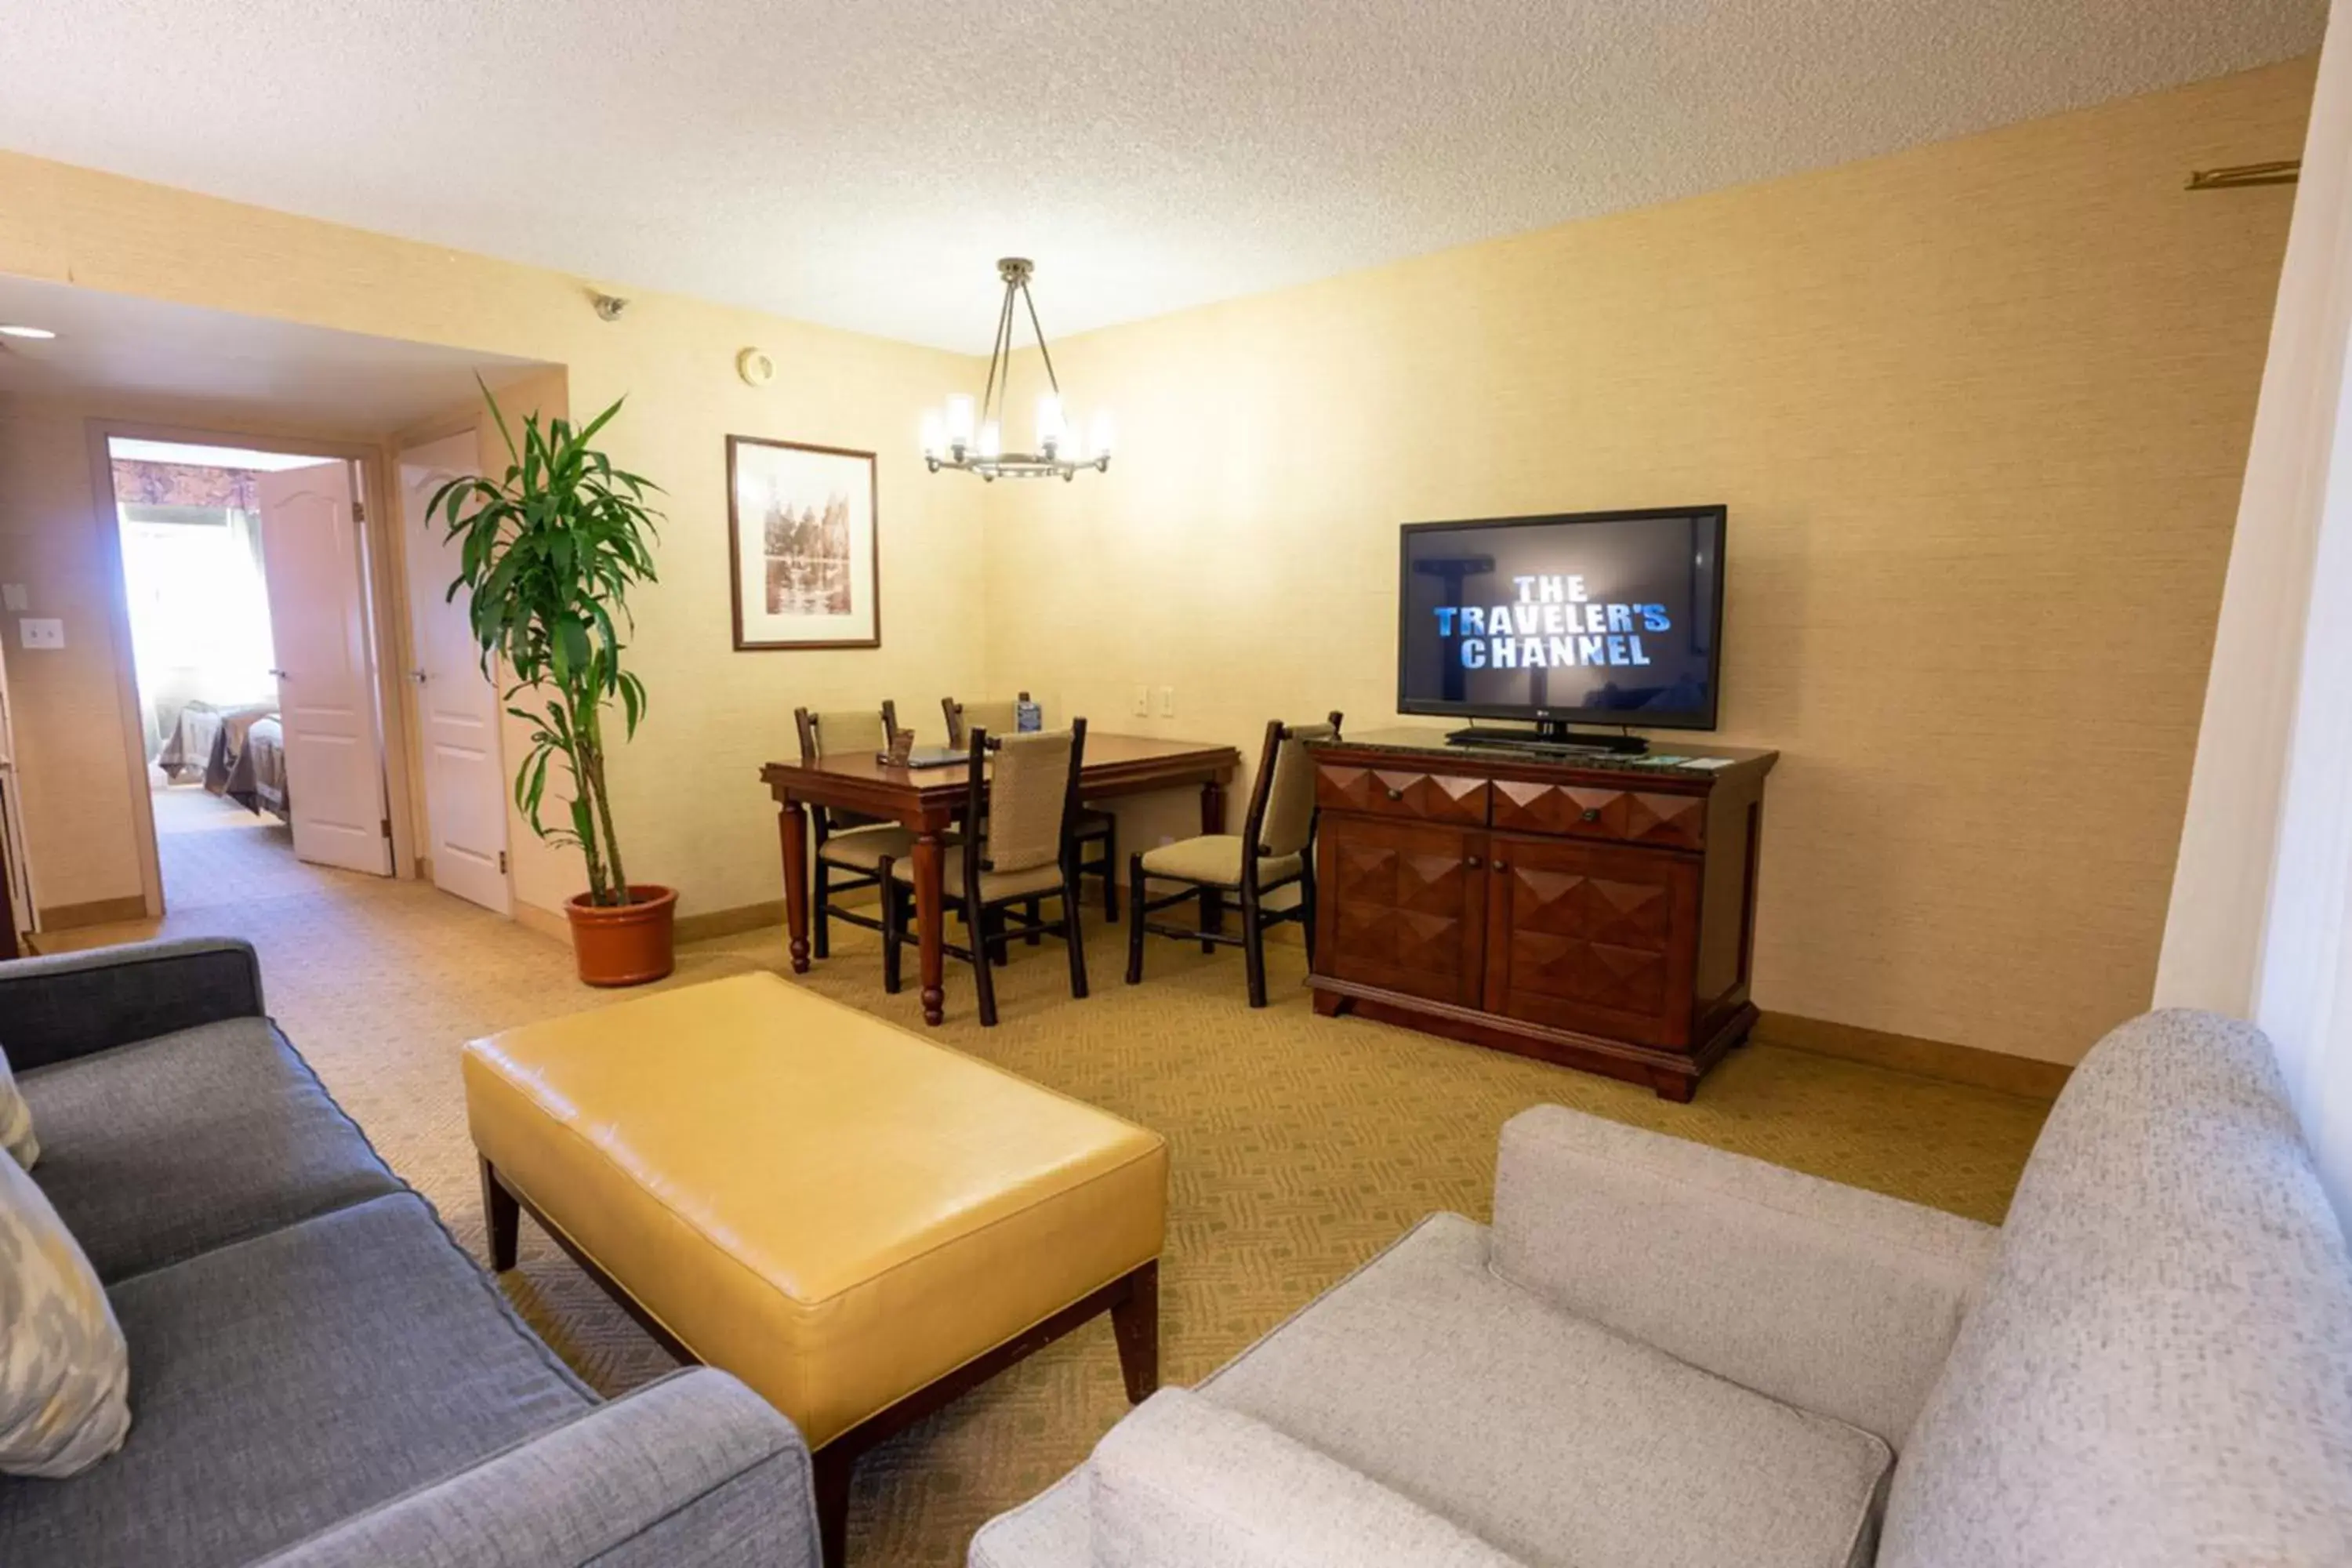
[850,849]
[1099,828]
[1275,850]
[1025,789]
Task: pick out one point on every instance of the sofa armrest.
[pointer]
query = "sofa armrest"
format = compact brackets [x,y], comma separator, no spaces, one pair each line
[695,1470]
[1826,1297]
[75,1003]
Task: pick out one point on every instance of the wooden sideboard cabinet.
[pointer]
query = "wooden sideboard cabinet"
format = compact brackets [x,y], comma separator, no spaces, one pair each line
[1586,909]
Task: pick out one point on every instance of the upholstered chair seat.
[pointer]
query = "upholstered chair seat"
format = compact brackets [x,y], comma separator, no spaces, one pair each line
[1214,860]
[864,848]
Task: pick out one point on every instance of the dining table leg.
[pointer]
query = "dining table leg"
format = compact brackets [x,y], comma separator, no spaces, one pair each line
[792,827]
[932,937]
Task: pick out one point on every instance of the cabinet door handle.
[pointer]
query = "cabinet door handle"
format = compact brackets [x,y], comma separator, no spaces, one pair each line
[1472,862]
[1396,794]
[1502,865]
[1591,813]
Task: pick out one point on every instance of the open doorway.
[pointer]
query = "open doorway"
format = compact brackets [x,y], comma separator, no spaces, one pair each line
[245,581]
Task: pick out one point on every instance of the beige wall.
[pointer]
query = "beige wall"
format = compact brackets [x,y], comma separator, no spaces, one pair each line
[693,813]
[1979,410]
[76,779]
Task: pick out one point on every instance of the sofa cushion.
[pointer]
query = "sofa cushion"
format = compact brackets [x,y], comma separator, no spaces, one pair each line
[156,1152]
[1184,1482]
[1552,1438]
[2158,1370]
[286,1382]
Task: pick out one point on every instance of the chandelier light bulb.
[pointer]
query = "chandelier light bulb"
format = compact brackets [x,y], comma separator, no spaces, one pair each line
[961,416]
[934,434]
[992,440]
[1104,434]
[1051,427]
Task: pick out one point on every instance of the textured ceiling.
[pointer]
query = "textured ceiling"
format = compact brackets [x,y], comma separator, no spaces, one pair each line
[149,352]
[864,164]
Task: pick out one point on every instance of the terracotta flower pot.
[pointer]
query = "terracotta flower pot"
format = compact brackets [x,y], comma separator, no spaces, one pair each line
[625,946]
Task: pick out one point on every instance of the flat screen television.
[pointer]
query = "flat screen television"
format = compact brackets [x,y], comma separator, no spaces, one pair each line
[1598,617]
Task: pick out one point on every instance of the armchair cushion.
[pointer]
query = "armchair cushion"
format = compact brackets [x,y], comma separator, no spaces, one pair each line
[1185,1481]
[1826,1297]
[1552,1438]
[1214,860]
[160,1151]
[72,1004]
[864,848]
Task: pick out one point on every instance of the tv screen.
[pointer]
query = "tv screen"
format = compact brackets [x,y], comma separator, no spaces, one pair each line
[1592,617]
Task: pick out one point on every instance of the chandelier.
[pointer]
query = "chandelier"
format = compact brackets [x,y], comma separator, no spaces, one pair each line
[970,436]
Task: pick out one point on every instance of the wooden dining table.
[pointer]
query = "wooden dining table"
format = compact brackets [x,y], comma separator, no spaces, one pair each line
[927,802]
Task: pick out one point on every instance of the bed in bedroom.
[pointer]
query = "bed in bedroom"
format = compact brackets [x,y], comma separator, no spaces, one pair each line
[247,764]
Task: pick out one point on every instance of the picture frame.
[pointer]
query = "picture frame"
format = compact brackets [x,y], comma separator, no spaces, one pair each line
[804,545]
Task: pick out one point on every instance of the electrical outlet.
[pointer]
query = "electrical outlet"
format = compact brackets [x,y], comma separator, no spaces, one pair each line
[42,633]
[1143,702]
[1167,702]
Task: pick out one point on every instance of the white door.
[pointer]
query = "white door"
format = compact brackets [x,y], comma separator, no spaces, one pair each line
[457,706]
[317,624]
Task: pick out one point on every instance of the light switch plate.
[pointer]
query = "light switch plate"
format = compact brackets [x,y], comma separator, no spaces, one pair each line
[1167,702]
[1143,702]
[42,633]
[14,599]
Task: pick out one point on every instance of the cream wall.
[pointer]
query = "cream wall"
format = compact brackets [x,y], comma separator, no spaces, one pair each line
[692,811]
[1979,410]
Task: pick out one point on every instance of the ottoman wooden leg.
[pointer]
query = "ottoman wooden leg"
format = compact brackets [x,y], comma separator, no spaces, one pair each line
[831,1469]
[1135,1323]
[502,1218]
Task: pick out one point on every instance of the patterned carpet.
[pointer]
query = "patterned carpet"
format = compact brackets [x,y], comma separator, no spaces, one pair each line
[1301,1145]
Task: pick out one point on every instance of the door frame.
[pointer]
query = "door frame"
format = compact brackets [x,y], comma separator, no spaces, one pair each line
[386,612]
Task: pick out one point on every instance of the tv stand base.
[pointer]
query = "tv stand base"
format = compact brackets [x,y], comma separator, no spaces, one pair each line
[1552,736]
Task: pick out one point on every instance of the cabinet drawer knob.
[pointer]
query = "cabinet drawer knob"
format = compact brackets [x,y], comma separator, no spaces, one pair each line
[1591,813]
[1472,862]
[1502,865]
[1396,794]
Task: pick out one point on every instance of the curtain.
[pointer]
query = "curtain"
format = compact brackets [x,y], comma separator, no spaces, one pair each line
[2257,926]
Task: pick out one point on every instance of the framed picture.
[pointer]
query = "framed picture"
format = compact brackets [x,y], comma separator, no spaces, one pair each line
[802,540]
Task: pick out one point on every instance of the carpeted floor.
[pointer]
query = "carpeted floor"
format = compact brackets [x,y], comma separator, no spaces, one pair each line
[1301,1145]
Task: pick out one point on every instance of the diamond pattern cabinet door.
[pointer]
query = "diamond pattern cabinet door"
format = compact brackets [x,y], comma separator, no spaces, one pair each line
[1403,907]
[1401,792]
[1591,811]
[1594,938]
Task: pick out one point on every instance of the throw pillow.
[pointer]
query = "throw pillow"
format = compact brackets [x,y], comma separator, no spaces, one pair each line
[65,1370]
[15,1119]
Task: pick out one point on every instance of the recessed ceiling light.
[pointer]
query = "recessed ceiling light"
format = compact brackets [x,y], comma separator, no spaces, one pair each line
[12,331]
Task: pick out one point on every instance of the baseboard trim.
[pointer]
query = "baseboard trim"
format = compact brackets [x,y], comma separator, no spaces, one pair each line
[2024,1077]
[97,912]
[546,922]
[735,921]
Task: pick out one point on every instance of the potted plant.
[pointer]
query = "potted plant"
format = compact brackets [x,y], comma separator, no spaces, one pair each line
[548,554]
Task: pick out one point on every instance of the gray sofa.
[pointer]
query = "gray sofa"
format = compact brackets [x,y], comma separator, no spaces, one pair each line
[319,1376]
[1662,1354]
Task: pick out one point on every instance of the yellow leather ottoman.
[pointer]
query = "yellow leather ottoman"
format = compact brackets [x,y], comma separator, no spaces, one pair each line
[859,1224]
